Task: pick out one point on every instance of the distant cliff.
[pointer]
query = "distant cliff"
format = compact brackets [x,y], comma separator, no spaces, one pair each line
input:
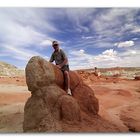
[10,70]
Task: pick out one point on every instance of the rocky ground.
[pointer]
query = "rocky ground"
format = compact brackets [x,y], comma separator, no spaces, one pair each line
[119,103]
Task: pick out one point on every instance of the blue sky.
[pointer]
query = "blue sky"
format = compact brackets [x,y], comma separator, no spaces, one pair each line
[91,37]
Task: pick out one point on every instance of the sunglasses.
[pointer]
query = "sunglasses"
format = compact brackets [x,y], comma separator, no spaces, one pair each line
[55,45]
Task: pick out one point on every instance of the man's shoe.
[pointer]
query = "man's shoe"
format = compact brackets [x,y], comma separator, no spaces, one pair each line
[69,92]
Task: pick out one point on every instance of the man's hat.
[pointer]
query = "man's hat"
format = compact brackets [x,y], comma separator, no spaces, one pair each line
[55,43]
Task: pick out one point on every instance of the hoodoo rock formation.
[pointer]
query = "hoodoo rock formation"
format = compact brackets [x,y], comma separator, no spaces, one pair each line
[50,109]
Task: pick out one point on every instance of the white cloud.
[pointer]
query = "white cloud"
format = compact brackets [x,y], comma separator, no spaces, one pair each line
[115,21]
[21,32]
[130,53]
[136,29]
[21,28]
[81,59]
[76,16]
[19,53]
[87,37]
[135,38]
[24,26]
[76,52]
[81,52]
[107,58]
[125,44]
[110,52]
[46,42]
[35,17]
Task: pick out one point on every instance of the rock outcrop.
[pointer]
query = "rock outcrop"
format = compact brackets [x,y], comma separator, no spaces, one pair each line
[50,109]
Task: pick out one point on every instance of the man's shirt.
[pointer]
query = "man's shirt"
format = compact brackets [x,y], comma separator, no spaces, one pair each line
[58,57]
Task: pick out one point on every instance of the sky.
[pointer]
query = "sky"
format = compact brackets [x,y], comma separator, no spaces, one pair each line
[91,37]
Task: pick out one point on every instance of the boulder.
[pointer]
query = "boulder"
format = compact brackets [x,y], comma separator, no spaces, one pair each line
[49,106]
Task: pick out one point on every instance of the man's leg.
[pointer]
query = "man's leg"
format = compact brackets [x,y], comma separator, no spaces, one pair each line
[67,82]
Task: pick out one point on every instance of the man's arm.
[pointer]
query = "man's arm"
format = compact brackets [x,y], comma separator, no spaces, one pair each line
[51,59]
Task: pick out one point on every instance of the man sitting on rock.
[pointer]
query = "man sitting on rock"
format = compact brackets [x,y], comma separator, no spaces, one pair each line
[61,62]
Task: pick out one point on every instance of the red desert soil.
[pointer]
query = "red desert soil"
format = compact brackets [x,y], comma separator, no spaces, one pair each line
[13,95]
[119,102]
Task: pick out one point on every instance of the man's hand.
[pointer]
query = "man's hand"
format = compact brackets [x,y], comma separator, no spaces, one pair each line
[58,66]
